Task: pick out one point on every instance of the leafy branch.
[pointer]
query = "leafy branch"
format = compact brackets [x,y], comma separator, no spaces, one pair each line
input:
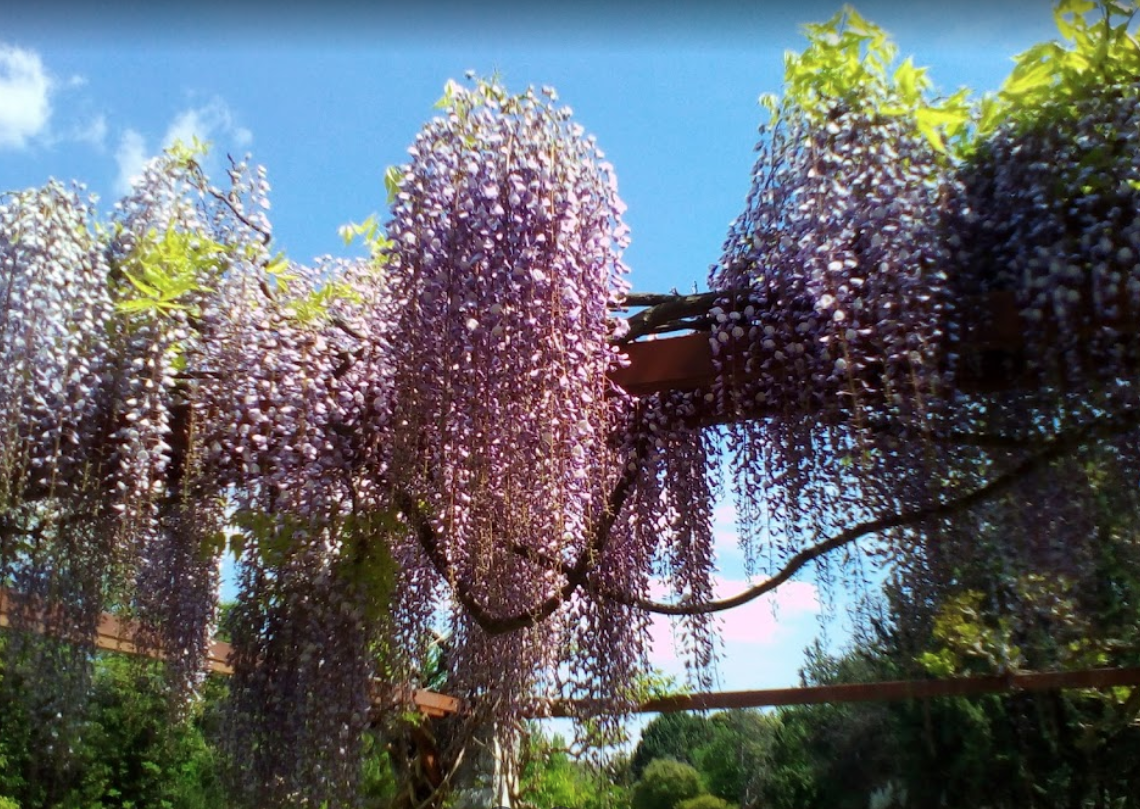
[1092,54]
[168,271]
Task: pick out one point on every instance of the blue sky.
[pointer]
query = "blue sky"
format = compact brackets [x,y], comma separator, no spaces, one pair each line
[326,101]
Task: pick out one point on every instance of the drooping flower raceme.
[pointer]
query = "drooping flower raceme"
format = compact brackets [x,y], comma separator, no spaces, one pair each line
[506,235]
[832,340]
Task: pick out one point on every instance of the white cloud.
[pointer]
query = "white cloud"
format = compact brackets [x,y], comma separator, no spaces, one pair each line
[25,89]
[94,132]
[131,156]
[762,642]
[764,620]
[208,123]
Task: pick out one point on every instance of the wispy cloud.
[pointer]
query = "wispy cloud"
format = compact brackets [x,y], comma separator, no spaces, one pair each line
[25,96]
[761,621]
[209,122]
[131,157]
[205,123]
[762,641]
[92,132]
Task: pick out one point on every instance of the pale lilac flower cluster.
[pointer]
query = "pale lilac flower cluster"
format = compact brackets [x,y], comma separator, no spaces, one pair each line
[833,343]
[506,238]
[295,423]
[56,542]
[53,341]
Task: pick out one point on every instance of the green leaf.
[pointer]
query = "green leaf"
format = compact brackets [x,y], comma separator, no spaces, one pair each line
[906,77]
[392,177]
[147,289]
[450,90]
[170,270]
[278,265]
[1027,77]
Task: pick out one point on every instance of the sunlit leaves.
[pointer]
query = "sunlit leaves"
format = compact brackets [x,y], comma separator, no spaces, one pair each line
[847,67]
[1099,48]
[167,270]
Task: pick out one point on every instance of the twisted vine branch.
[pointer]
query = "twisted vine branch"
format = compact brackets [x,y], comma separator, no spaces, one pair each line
[1057,447]
[576,574]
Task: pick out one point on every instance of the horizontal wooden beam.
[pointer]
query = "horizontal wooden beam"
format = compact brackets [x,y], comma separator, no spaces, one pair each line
[888,691]
[117,635]
[991,346]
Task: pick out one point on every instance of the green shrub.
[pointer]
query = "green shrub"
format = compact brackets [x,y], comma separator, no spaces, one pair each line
[666,783]
[705,802]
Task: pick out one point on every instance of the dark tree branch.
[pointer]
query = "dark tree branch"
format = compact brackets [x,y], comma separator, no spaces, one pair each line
[576,574]
[264,236]
[1056,448]
[672,312]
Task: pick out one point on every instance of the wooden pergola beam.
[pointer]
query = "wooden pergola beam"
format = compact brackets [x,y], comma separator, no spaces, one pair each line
[991,345]
[117,635]
[887,691]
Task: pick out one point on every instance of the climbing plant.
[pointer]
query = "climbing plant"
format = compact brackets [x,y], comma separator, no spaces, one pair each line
[431,435]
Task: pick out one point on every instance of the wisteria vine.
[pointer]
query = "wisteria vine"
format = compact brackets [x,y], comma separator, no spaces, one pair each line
[434,430]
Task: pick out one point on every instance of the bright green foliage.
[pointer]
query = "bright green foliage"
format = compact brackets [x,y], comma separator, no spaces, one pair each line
[378,782]
[705,802]
[830,755]
[972,638]
[729,749]
[849,65]
[552,776]
[126,755]
[654,684]
[963,629]
[392,181]
[1097,50]
[665,783]
[316,307]
[735,761]
[187,155]
[166,271]
[370,231]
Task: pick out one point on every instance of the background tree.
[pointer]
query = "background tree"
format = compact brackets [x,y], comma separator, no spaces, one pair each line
[553,777]
[671,735]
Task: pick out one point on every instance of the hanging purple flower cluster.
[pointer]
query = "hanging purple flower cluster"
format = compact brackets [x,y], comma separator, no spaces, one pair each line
[55,543]
[53,341]
[667,529]
[290,404]
[831,338]
[1050,211]
[506,235]
[1046,214]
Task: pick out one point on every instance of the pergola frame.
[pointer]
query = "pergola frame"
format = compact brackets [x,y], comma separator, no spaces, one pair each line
[992,351]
